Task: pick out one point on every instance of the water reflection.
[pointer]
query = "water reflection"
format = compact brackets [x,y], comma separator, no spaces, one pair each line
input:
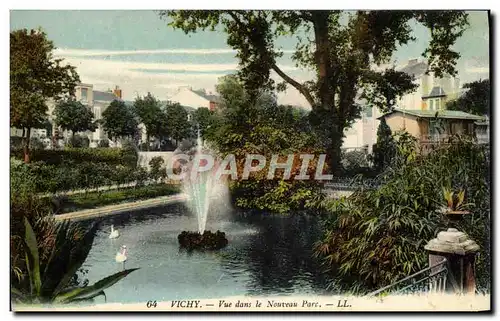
[266,255]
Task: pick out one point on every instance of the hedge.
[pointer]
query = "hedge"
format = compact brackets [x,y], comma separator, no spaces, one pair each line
[110,156]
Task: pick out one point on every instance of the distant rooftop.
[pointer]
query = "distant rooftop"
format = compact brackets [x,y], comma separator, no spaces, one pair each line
[435,92]
[415,68]
[207,96]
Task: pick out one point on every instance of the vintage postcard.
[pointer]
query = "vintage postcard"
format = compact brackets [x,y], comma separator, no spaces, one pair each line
[250,160]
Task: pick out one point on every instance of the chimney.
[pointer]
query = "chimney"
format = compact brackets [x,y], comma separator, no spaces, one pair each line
[412,61]
[118,92]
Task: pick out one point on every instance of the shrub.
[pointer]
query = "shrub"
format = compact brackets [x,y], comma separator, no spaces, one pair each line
[103,143]
[16,143]
[36,143]
[377,236]
[278,196]
[80,141]
[356,162]
[22,194]
[129,154]
[385,149]
[141,175]
[157,171]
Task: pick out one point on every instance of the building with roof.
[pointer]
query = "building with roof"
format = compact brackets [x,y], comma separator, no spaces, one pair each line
[421,113]
[97,101]
[188,97]
[432,126]
[427,84]
[431,93]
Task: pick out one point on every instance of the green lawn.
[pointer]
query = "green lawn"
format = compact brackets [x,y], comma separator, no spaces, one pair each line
[90,200]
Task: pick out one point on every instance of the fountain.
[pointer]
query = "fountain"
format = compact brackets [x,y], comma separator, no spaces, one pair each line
[200,191]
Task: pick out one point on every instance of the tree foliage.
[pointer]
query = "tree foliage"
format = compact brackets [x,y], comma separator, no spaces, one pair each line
[150,113]
[119,120]
[203,120]
[74,116]
[177,122]
[341,48]
[476,100]
[157,170]
[377,237]
[261,126]
[385,149]
[35,76]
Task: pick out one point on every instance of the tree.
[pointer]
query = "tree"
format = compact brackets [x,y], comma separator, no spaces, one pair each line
[157,171]
[261,126]
[177,122]
[385,148]
[341,48]
[203,120]
[148,108]
[73,115]
[119,120]
[476,99]
[35,77]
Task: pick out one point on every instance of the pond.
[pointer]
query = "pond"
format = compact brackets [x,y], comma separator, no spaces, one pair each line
[267,255]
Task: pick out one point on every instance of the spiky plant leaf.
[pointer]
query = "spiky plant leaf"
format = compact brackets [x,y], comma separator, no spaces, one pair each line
[93,290]
[73,257]
[34,267]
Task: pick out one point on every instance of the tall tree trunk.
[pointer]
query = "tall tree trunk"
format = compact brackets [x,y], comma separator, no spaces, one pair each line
[327,88]
[26,144]
[334,150]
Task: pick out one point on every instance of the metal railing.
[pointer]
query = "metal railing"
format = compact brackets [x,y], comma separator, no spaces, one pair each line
[435,138]
[429,280]
[351,184]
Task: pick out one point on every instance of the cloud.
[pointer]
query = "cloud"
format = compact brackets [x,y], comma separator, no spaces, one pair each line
[478,70]
[163,79]
[153,66]
[68,52]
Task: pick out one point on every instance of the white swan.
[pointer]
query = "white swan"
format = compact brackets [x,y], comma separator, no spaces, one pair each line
[114,233]
[121,256]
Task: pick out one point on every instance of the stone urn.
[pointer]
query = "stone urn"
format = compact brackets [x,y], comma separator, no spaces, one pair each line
[460,253]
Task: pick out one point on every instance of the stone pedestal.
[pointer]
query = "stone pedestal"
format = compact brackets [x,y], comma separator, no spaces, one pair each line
[460,252]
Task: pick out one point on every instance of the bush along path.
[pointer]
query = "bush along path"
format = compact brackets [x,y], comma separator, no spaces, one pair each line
[120,208]
[101,189]
[83,201]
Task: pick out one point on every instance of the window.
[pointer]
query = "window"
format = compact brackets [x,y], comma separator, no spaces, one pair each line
[97,113]
[84,92]
[457,128]
[431,104]
[470,128]
[438,101]
[433,129]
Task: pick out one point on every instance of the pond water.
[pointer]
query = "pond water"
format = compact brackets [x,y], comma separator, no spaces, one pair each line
[267,255]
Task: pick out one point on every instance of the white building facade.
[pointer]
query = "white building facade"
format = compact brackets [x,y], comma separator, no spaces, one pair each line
[188,97]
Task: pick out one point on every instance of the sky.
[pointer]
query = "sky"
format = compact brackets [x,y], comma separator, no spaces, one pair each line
[140,53]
